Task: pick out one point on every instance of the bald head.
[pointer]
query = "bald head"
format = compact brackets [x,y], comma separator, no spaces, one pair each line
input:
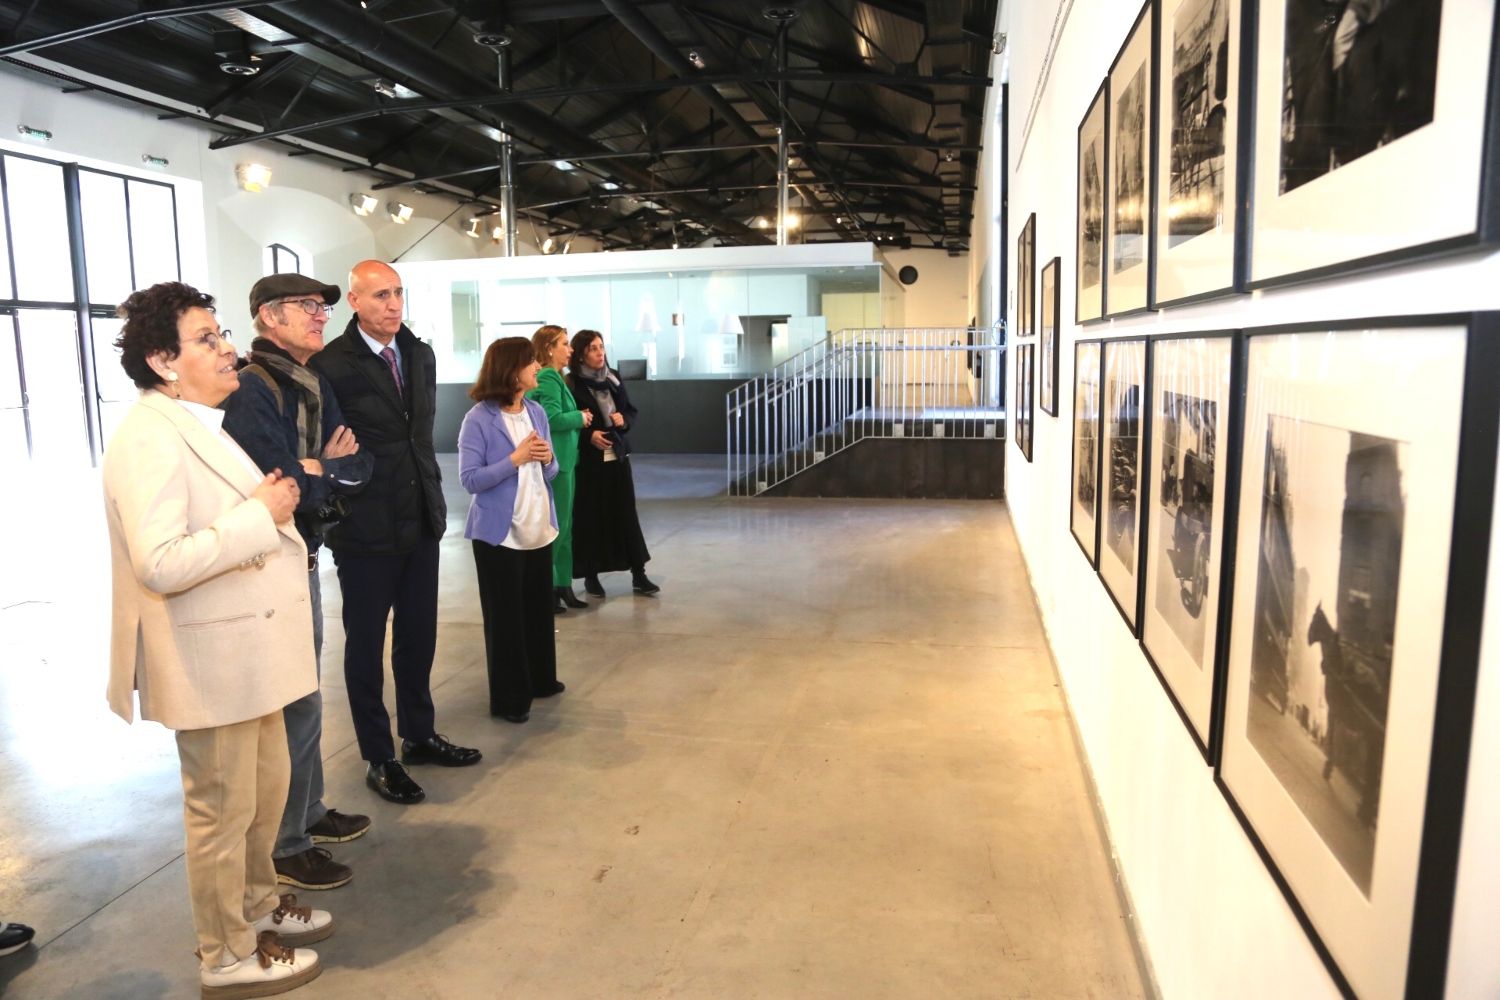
[377,298]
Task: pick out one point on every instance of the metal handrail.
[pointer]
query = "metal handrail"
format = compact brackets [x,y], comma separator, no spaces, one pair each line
[861,383]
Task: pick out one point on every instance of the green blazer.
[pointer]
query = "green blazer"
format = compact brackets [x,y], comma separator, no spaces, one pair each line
[563,416]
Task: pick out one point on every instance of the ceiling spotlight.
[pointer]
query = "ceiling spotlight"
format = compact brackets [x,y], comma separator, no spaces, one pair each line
[548,244]
[997,45]
[838,220]
[793,220]
[362,203]
[947,156]
[253,177]
[562,165]
[761,222]
[696,59]
[674,244]
[567,247]
[39,134]
[497,232]
[780,13]
[400,212]
[492,35]
[610,186]
[475,228]
[384,87]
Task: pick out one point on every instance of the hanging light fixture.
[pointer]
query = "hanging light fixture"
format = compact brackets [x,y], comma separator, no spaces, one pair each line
[548,244]
[363,203]
[475,228]
[400,212]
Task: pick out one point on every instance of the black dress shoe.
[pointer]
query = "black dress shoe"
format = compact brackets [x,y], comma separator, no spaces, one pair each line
[517,718]
[557,688]
[592,585]
[437,750]
[392,783]
[566,596]
[641,585]
[558,607]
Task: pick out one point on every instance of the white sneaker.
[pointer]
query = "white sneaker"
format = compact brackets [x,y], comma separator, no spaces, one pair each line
[295,925]
[270,970]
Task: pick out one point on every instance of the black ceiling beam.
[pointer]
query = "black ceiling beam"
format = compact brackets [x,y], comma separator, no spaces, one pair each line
[128,21]
[347,26]
[634,87]
[542,56]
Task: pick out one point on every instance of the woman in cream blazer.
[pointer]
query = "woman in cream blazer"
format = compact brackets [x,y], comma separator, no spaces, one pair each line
[212,626]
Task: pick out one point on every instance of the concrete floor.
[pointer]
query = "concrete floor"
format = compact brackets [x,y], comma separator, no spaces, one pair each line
[831,760]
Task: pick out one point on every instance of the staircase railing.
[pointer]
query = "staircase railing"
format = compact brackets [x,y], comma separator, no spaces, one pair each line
[931,382]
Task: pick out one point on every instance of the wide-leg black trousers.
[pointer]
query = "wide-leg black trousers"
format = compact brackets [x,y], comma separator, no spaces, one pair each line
[515,597]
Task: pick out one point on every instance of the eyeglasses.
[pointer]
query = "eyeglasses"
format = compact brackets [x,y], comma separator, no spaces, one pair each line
[212,340]
[310,306]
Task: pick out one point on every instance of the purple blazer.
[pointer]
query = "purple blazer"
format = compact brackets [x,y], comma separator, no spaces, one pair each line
[486,471]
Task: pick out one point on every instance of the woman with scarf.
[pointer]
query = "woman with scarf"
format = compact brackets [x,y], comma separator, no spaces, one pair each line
[606,532]
[566,421]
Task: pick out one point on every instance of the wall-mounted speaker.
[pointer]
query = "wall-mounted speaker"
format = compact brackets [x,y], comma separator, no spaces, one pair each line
[908,275]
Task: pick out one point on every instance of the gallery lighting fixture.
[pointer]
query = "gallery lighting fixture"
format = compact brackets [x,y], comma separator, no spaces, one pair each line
[363,203]
[497,232]
[562,165]
[761,222]
[253,177]
[383,87]
[400,212]
[548,244]
[793,220]
[610,186]
[475,228]
[39,134]
[696,60]
[567,247]
[153,161]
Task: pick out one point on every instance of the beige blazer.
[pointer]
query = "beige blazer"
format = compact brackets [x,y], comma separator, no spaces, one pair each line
[212,613]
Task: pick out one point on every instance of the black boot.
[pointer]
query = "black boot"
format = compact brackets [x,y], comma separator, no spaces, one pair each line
[558,607]
[566,596]
[592,585]
[641,585]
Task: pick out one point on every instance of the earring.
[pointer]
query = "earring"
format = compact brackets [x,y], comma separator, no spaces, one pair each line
[172,381]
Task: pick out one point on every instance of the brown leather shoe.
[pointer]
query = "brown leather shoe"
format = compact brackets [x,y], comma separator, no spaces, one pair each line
[314,868]
[338,828]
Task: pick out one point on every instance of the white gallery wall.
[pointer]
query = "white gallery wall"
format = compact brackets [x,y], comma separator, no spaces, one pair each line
[306,206]
[1212,921]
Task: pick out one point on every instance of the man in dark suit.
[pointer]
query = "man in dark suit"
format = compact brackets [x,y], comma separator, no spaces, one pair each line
[386,550]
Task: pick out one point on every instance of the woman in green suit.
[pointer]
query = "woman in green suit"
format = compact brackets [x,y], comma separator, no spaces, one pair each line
[566,420]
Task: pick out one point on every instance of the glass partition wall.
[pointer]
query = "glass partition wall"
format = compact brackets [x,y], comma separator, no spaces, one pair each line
[683,323]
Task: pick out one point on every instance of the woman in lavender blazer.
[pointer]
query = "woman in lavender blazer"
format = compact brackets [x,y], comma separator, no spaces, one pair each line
[505,461]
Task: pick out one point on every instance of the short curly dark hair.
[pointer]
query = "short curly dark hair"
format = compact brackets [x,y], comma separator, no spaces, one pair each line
[151,316]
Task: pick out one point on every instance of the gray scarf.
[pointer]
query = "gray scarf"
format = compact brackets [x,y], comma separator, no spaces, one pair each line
[600,381]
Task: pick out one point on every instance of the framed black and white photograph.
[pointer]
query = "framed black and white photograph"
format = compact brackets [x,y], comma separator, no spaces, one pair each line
[1083,504]
[1023,400]
[1354,627]
[1093,175]
[1370,134]
[1127,195]
[1026,279]
[1047,336]
[1198,147]
[1188,463]
[1122,423]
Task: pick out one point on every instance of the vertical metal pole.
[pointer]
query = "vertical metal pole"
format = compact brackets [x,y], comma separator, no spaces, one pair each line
[782,179]
[507,162]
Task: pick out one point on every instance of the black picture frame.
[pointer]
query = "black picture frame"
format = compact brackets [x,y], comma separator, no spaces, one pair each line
[1408,169]
[1049,333]
[1091,296]
[1202,143]
[1085,465]
[1124,425]
[1026,279]
[1381,932]
[1025,414]
[1191,461]
[1129,242]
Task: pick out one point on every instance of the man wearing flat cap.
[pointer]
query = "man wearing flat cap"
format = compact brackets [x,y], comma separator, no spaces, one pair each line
[285,416]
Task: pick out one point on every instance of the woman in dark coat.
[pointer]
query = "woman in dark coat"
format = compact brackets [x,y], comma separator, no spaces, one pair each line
[606,532]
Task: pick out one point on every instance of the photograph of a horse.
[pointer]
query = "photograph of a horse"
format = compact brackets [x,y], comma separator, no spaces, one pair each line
[1327,578]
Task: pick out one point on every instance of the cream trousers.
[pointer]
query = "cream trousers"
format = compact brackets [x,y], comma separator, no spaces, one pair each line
[234,786]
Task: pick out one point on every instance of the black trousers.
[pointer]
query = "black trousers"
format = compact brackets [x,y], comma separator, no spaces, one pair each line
[374,586]
[520,651]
